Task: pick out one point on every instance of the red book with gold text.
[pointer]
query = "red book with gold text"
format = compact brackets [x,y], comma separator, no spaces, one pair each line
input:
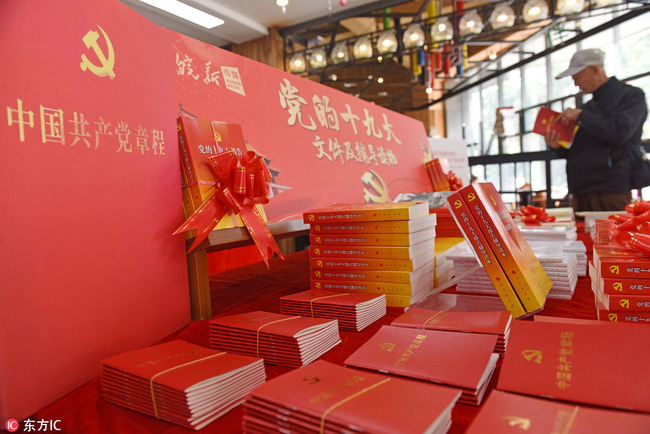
[376,227]
[629,286]
[495,323]
[364,212]
[545,122]
[519,263]
[373,264]
[324,397]
[289,340]
[506,413]
[618,262]
[180,382]
[590,364]
[379,239]
[402,277]
[484,253]
[462,360]
[376,252]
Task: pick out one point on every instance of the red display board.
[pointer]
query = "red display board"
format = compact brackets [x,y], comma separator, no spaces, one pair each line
[90,195]
[322,146]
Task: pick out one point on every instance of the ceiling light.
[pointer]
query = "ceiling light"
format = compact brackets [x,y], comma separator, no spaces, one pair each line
[362,48]
[492,56]
[297,63]
[340,53]
[567,7]
[186,12]
[379,59]
[503,16]
[380,80]
[387,42]
[535,10]
[428,90]
[318,58]
[282,2]
[471,23]
[413,36]
[442,30]
[333,77]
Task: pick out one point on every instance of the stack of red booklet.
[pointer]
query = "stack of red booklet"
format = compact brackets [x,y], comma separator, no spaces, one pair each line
[353,311]
[584,363]
[495,323]
[620,280]
[288,340]
[461,360]
[179,382]
[511,413]
[324,397]
[374,248]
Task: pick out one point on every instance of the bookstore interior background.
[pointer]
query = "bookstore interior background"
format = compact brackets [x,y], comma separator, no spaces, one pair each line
[509,160]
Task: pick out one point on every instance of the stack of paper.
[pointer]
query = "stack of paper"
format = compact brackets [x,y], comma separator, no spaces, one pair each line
[548,233]
[179,382]
[576,247]
[353,311]
[279,339]
[374,248]
[512,413]
[462,360]
[495,323]
[560,266]
[327,398]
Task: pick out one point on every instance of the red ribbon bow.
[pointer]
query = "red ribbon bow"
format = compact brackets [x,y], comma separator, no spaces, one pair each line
[241,183]
[455,183]
[632,231]
[533,215]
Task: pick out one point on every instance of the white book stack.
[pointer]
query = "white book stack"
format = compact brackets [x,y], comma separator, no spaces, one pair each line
[546,233]
[560,266]
[577,247]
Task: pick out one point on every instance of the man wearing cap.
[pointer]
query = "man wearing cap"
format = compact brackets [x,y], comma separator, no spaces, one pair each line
[598,169]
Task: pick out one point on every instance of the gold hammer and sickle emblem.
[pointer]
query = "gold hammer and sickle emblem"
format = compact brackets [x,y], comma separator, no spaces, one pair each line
[532,355]
[612,317]
[520,422]
[217,136]
[317,285]
[614,269]
[317,239]
[375,189]
[310,217]
[471,197]
[388,347]
[625,303]
[317,274]
[107,62]
[317,251]
[458,204]
[618,286]
[319,263]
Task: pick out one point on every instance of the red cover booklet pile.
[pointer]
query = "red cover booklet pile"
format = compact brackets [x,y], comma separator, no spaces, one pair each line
[179,382]
[288,340]
[462,360]
[353,311]
[324,397]
[512,413]
[590,364]
[495,323]
[375,248]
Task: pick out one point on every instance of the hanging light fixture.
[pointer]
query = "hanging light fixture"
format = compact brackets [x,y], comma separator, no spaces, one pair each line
[340,53]
[283,4]
[318,58]
[568,7]
[362,49]
[413,36]
[502,17]
[535,10]
[442,30]
[387,42]
[297,63]
[471,23]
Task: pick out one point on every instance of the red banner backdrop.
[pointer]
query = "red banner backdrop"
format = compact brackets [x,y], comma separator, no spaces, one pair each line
[321,145]
[90,195]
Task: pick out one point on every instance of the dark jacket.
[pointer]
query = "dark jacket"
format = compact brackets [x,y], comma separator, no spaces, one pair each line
[612,119]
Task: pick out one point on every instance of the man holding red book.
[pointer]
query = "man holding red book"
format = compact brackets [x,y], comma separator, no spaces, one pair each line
[598,167]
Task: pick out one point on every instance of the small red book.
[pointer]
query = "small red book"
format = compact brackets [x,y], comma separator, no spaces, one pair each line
[545,122]
[590,364]
[324,397]
[462,360]
[495,323]
[346,213]
[512,413]
[620,263]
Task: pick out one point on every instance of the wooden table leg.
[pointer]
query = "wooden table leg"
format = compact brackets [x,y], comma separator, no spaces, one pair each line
[200,302]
